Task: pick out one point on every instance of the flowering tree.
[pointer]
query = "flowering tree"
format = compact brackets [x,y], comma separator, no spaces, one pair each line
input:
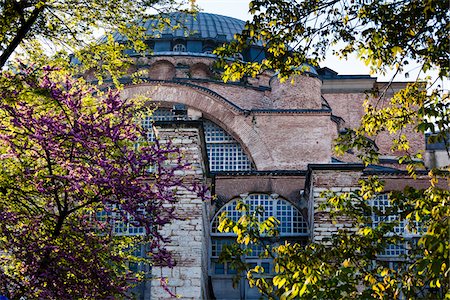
[72,165]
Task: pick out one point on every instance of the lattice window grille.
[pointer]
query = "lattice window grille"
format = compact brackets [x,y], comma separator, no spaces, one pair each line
[217,245]
[120,227]
[291,220]
[160,114]
[382,204]
[214,133]
[224,152]
[394,250]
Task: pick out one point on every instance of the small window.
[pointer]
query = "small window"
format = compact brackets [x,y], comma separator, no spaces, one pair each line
[179,48]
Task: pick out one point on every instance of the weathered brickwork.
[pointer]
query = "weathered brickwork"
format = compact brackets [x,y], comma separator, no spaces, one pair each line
[299,92]
[272,139]
[189,236]
[349,106]
[323,227]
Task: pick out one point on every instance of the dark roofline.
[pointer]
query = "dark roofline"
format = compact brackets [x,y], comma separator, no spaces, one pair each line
[350,77]
[337,166]
[393,172]
[333,75]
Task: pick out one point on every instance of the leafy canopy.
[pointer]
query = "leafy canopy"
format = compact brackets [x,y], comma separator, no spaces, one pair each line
[385,35]
[75,166]
[36,28]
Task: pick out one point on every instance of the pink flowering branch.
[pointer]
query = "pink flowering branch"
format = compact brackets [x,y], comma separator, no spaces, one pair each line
[66,158]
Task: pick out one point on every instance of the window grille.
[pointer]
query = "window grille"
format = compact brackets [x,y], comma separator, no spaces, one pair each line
[380,213]
[160,114]
[224,152]
[383,204]
[291,220]
[394,250]
[292,225]
[179,48]
[120,227]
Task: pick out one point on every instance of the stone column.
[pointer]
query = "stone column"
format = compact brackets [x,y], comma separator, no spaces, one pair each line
[339,181]
[190,235]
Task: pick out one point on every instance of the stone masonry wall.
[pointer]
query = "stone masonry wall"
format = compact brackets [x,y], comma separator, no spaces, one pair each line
[322,226]
[189,236]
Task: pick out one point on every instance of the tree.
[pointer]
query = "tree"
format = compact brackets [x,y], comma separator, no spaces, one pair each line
[385,35]
[69,25]
[75,166]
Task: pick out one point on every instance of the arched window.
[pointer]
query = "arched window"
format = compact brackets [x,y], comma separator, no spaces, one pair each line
[292,227]
[291,220]
[224,152]
[179,48]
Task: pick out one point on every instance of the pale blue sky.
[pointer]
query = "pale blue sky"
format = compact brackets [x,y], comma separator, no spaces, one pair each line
[239,9]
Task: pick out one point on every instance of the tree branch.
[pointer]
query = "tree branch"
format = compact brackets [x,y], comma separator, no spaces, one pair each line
[20,35]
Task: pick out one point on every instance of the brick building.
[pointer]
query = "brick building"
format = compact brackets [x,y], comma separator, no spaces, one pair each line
[266,142]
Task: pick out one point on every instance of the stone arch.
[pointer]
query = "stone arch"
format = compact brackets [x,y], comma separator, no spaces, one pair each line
[222,112]
[162,70]
[200,70]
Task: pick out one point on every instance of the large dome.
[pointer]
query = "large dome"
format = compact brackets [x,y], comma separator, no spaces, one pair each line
[200,26]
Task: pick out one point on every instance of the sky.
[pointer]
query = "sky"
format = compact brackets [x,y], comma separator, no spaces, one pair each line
[239,9]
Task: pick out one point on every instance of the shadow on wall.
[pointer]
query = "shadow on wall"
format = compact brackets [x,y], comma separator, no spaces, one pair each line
[200,70]
[162,70]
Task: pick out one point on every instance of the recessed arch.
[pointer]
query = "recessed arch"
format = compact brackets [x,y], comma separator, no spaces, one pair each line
[213,107]
[162,70]
[200,70]
[223,151]
[293,226]
[292,221]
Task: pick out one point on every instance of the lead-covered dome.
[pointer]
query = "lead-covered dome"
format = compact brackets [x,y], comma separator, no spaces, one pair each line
[198,26]
[193,34]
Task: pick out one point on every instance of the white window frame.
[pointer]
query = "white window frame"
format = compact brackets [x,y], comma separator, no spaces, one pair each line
[179,48]
[277,203]
[400,229]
